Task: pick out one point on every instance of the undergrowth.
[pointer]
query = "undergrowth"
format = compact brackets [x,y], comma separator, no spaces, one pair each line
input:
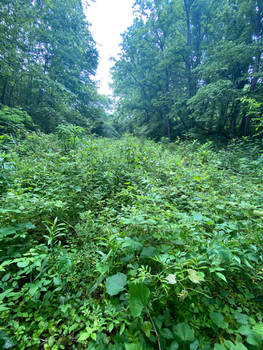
[128,244]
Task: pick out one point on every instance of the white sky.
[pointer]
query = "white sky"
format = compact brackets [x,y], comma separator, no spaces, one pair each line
[108,18]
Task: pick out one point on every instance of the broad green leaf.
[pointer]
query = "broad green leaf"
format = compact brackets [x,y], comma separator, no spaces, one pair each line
[83,336]
[166,333]
[174,346]
[218,319]
[258,328]
[116,283]
[254,339]
[6,231]
[241,318]
[23,263]
[184,332]
[219,347]
[139,296]
[128,242]
[230,345]
[148,252]
[51,341]
[244,330]
[194,345]
[33,288]
[3,307]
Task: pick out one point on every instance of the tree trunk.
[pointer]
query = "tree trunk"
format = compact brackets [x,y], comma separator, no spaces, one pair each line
[4,92]
[169,128]
[188,58]
[233,121]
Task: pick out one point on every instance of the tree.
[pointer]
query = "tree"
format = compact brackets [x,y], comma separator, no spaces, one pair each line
[48,58]
[186,64]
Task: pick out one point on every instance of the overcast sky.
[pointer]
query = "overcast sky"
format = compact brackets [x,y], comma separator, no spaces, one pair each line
[108,18]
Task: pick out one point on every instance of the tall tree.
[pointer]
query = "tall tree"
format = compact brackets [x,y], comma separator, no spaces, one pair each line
[190,66]
[47,60]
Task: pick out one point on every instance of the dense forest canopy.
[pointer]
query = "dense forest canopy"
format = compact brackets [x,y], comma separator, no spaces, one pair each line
[191,66]
[48,59]
[186,68]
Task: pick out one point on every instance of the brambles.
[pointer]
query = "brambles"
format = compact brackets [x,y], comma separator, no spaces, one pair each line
[129,245]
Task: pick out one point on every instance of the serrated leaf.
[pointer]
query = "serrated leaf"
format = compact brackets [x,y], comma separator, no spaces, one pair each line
[116,283]
[139,296]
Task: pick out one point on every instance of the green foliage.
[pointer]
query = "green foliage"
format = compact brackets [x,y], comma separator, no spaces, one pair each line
[48,58]
[115,284]
[191,66]
[130,244]
[69,134]
[139,297]
[14,121]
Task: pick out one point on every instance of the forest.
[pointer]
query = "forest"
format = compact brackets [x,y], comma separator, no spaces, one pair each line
[132,222]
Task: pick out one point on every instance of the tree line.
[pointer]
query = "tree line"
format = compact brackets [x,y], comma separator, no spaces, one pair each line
[48,59]
[191,67]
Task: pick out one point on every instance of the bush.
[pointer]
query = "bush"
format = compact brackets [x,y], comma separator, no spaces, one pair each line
[119,244]
[14,121]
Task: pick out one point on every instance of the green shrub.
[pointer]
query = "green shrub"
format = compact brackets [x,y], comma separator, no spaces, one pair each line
[14,121]
[119,244]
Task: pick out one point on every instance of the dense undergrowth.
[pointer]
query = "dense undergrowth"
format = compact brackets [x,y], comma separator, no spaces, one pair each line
[128,244]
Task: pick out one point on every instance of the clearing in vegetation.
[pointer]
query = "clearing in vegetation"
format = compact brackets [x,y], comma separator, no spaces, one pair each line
[129,244]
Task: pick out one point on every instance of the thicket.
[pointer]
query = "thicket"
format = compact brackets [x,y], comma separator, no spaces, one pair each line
[129,244]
